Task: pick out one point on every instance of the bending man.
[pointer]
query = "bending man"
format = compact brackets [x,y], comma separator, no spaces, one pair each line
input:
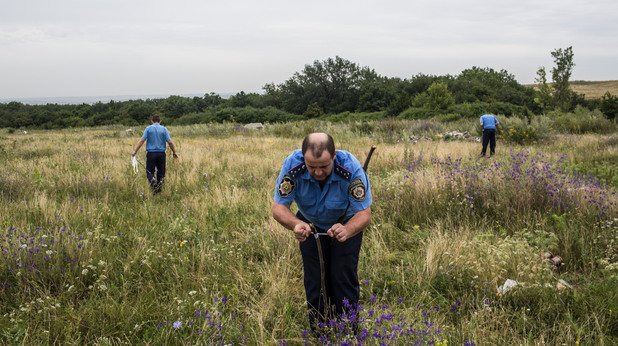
[489,122]
[333,195]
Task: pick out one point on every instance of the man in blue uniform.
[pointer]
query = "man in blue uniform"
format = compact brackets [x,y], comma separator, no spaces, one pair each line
[489,123]
[156,137]
[333,195]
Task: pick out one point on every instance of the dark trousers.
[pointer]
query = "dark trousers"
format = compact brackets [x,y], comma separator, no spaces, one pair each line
[155,170]
[341,269]
[489,137]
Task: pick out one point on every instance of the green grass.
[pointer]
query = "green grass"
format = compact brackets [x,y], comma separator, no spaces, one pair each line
[447,229]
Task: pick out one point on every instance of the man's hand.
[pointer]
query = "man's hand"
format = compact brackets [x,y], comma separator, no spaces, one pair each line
[175,155]
[340,232]
[301,231]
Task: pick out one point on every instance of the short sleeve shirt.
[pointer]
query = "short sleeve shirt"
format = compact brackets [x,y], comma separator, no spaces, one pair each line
[489,121]
[345,192]
[156,137]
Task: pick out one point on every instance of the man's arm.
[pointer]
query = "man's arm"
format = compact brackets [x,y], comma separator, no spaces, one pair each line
[173,147]
[357,223]
[137,146]
[287,219]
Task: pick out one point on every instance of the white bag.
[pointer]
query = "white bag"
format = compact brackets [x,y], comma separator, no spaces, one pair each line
[134,163]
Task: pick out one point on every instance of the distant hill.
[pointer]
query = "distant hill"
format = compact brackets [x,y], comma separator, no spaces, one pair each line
[594,90]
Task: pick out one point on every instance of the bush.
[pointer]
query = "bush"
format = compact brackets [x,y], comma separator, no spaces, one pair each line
[242,115]
[192,118]
[447,118]
[418,113]
[476,109]
[517,130]
[582,120]
[354,117]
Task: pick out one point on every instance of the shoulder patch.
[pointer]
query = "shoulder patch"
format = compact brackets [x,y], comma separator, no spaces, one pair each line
[286,186]
[298,169]
[357,189]
[341,171]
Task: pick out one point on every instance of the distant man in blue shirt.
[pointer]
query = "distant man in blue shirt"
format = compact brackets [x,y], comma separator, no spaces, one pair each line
[156,137]
[489,122]
[332,192]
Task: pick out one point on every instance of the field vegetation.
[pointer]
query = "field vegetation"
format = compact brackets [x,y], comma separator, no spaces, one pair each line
[595,90]
[90,256]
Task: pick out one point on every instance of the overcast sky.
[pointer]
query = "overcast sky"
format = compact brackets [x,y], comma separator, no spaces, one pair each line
[117,47]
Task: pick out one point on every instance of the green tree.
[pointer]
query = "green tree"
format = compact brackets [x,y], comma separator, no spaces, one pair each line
[561,73]
[437,97]
[138,111]
[174,106]
[488,85]
[544,94]
[243,99]
[405,91]
[376,94]
[333,84]
[609,105]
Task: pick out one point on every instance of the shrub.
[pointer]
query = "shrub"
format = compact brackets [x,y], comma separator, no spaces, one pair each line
[354,117]
[447,118]
[437,97]
[582,120]
[418,113]
[192,118]
[518,131]
[313,110]
[476,109]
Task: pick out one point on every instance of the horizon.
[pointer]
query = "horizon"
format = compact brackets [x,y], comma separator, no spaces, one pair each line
[92,99]
[54,49]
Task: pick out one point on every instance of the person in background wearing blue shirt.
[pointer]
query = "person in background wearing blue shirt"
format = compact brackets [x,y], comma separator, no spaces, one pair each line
[489,123]
[332,193]
[156,137]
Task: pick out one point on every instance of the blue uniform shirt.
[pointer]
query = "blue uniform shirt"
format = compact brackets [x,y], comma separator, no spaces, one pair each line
[489,121]
[324,206]
[156,137]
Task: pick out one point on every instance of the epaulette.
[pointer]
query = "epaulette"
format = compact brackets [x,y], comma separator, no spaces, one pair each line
[341,171]
[299,169]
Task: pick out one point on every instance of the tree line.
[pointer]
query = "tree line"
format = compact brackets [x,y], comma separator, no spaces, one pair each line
[335,86]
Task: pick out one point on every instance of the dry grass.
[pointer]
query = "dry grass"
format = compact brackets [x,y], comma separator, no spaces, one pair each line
[210,232]
[594,90]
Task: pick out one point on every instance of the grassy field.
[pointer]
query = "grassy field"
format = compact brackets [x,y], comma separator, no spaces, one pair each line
[594,90]
[90,256]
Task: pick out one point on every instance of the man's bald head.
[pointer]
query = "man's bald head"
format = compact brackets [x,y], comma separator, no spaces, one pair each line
[317,142]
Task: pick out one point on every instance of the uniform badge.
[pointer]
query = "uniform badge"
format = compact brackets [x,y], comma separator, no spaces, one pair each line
[357,190]
[286,186]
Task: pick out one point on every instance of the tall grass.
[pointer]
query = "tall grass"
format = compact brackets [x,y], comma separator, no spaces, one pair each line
[90,256]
